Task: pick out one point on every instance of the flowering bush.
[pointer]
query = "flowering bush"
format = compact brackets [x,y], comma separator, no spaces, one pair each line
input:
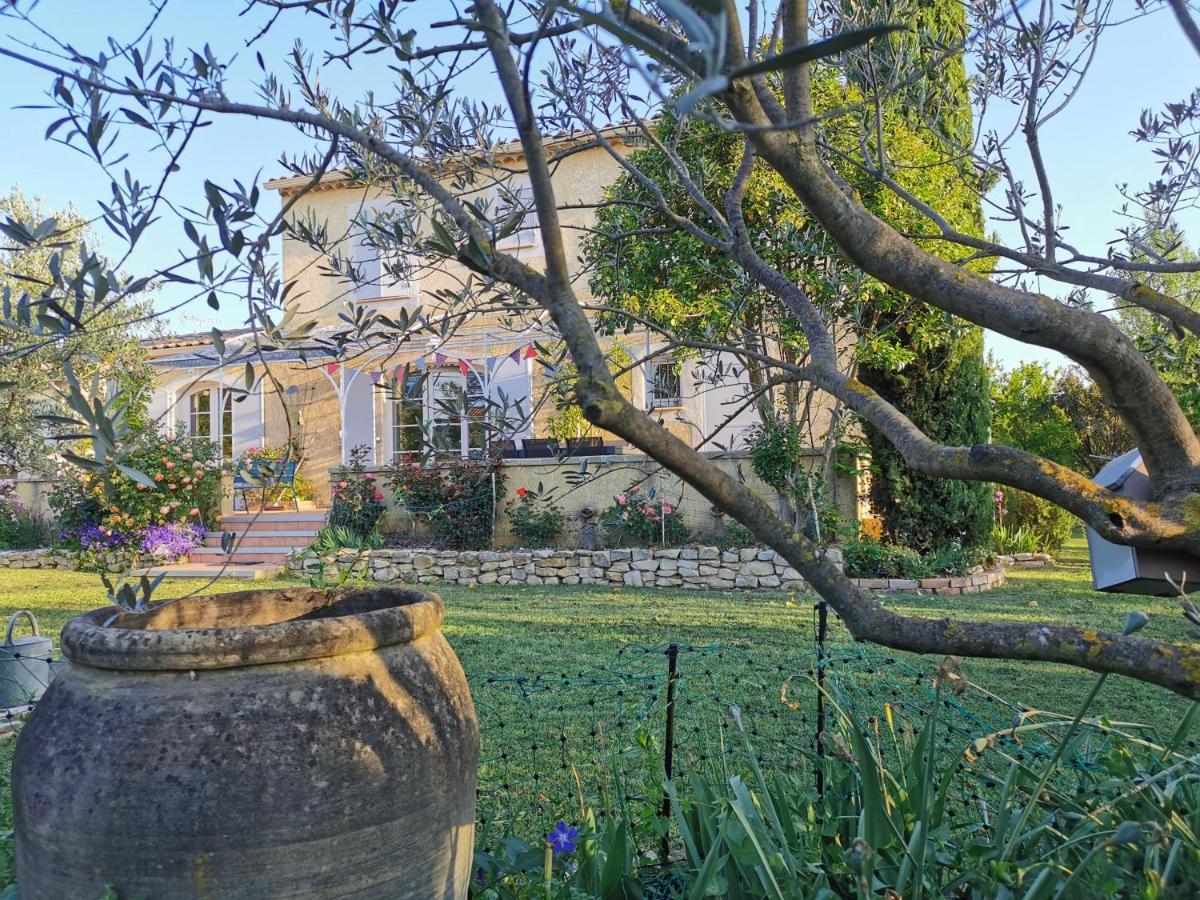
[457,499]
[357,501]
[172,542]
[536,519]
[20,528]
[642,519]
[104,519]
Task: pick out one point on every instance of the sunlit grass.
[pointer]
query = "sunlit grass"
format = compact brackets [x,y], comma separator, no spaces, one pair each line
[529,630]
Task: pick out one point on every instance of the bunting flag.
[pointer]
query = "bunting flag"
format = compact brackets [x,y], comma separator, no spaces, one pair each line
[515,356]
[331,368]
[420,363]
[376,377]
[490,364]
[530,352]
[464,366]
[439,359]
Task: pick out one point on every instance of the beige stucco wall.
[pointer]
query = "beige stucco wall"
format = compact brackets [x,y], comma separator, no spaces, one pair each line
[592,482]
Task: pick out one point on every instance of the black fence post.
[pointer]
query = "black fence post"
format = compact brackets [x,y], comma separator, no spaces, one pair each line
[822,630]
[669,749]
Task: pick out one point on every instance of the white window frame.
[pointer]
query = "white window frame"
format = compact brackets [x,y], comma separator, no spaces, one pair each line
[372,262]
[219,416]
[471,442]
[516,191]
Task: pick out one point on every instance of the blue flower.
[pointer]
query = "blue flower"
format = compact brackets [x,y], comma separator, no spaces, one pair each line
[562,838]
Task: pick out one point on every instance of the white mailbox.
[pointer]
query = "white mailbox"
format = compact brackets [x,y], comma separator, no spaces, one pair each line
[1130,570]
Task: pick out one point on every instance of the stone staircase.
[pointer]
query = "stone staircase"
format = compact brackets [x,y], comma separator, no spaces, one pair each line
[264,540]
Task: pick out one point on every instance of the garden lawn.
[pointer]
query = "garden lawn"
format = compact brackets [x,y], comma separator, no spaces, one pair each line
[528,630]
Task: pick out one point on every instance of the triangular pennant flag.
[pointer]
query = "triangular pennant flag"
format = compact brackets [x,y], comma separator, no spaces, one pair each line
[439,359]
[489,364]
[376,377]
[464,366]
[421,364]
[531,352]
[515,356]
[331,368]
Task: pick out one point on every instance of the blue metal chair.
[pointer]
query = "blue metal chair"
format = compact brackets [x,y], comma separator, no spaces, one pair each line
[264,476]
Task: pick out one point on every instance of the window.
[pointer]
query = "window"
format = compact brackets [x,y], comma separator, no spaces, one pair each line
[407,417]
[383,270]
[664,385]
[201,419]
[227,427]
[515,199]
[200,414]
[447,415]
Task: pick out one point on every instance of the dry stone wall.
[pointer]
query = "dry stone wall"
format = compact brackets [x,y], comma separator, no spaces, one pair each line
[696,568]
[34,559]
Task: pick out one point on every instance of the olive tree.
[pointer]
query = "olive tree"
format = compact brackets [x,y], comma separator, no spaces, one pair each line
[578,68]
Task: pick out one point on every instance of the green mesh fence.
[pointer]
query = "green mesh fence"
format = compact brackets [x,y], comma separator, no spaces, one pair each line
[553,743]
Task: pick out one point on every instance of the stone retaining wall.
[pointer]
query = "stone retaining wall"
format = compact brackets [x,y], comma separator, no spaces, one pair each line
[34,559]
[696,568]
[701,568]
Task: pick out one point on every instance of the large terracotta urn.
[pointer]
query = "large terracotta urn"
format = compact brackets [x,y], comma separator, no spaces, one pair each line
[276,743]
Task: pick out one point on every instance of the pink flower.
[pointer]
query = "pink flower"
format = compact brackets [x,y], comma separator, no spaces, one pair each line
[378,495]
[621,499]
[342,484]
[666,509]
[370,476]
[634,488]
[163,510]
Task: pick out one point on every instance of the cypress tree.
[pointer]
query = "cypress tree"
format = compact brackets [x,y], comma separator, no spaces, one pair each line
[944,390]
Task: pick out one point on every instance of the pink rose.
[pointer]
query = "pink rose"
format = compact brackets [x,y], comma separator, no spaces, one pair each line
[620,498]
[342,484]
[666,509]
[378,495]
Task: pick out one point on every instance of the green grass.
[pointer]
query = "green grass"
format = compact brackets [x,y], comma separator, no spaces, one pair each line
[530,630]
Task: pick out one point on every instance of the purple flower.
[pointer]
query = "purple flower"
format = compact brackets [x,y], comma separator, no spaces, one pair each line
[93,537]
[562,838]
[171,542]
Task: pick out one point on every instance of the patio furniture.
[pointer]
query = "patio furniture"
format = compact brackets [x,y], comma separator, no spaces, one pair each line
[585,446]
[541,448]
[265,477]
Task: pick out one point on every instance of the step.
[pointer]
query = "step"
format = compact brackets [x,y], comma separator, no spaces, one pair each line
[287,518]
[199,570]
[242,555]
[256,538]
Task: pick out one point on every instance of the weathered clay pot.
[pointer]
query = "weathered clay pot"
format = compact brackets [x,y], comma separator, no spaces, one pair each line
[290,743]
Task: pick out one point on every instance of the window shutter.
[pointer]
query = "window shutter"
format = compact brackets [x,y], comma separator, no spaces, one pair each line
[247,421]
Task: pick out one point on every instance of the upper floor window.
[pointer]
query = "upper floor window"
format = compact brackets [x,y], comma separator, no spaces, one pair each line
[514,216]
[665,385]
[383,268]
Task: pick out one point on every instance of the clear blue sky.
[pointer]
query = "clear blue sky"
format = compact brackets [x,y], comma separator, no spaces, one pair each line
[1088,149]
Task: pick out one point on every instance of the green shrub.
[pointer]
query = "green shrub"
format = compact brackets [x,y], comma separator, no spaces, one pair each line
[1049,525]
[20,528]
[870,558]
[536,519]
[357,503]
[457,499]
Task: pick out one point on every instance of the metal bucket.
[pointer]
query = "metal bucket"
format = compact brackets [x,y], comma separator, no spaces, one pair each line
[25,668]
